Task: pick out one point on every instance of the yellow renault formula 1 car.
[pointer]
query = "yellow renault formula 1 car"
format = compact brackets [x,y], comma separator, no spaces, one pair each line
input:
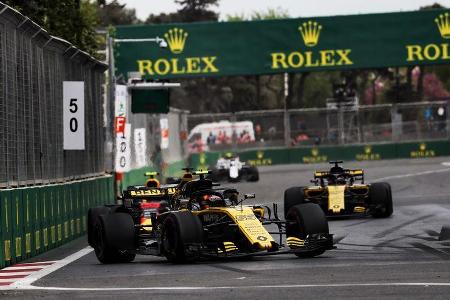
[204,221]
[342,192]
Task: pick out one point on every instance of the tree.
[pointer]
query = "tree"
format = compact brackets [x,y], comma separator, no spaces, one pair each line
[197,10]
[190,11]
[72,20]
[115,13]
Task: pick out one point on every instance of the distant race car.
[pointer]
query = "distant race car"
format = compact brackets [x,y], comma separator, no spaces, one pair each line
[200,220]
[338,194]
[230,168]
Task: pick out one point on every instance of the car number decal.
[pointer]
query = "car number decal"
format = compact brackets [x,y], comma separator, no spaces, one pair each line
[151,192]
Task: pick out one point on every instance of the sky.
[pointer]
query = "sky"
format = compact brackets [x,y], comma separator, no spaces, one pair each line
[295,8]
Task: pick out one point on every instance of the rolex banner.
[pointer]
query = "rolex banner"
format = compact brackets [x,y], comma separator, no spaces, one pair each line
[287,45]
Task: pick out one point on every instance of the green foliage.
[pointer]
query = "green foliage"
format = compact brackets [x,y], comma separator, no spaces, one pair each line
[319,87]
[269,14]
[115,13]
[74,21]
[190,11]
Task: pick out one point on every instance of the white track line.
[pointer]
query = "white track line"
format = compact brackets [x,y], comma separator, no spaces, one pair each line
[209,288]
[412,174]
[446,163]
[27,281]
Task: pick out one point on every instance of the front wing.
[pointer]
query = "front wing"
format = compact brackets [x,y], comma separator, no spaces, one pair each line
[312,244]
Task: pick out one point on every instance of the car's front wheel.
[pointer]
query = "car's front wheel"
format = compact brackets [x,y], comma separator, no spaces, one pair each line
[303,220]
[179,230]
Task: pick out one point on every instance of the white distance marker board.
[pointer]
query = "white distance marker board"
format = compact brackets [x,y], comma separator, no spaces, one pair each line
[73,115]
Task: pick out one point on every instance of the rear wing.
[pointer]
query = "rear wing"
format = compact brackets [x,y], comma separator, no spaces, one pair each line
[149,193]
[321,174]
[357,174]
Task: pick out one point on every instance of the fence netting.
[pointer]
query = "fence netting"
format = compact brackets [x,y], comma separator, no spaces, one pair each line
[33,67]
[383,123]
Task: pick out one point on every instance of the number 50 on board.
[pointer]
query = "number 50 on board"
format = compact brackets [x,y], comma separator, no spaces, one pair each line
[73,115]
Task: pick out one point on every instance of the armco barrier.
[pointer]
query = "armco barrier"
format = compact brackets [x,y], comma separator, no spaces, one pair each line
[36,219]
[326,153]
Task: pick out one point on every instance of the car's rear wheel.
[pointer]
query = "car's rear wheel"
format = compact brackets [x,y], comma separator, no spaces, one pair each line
[380,195]
[303,220]
[293,196]
[114,238]
[252,174]
[216,175]
[179,230]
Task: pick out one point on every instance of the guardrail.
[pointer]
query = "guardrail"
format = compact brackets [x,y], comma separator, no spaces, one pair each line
[37,219]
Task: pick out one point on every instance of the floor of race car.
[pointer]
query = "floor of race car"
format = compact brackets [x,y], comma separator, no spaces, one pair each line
[395,258]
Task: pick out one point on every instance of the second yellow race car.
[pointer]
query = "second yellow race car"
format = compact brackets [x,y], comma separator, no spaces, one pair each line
[342,192]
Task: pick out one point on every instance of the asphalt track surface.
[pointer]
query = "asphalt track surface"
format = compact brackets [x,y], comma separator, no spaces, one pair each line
[395,258]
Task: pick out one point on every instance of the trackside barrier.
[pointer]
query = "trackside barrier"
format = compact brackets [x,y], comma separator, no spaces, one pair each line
[37,219]
[136,176]
[319,154]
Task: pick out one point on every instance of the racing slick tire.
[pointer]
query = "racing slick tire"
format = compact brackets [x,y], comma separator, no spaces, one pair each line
[115,238]
[293,196]
[252,174]
[173,180]
[309,219]
[380,195]
[92,218]
[179,230]
[216,175]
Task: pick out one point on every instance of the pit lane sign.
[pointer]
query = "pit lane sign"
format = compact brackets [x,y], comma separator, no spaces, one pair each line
[140,147]
[122,129]
[287,45]
[123,151]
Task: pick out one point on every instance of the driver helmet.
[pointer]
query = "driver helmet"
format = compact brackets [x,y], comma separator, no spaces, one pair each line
[337,178]
[228,155]
[152,183]
[335,170]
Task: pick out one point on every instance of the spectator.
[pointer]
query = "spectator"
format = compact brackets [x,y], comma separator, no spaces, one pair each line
[258,132]
[211,139]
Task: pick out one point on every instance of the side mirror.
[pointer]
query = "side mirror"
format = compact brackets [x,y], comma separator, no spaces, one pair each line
[250,196]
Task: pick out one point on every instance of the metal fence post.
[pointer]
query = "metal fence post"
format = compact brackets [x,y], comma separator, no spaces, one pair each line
[447,111]
[341,128]
[287,128]
[112,107]
[394,123]
[233,137]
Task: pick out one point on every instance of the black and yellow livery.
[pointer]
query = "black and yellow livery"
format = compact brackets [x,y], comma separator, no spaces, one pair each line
[202,220]
[342,192]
